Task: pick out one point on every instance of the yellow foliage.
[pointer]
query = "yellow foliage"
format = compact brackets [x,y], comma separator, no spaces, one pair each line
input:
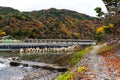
[111,25]
[105,26]
[2,33]
[81,69]
[100,30]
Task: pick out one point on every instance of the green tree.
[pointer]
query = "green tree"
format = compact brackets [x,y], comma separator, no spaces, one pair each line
[112,5]
[99,11]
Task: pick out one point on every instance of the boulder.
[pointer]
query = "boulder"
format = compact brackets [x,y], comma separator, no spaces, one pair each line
[14,64]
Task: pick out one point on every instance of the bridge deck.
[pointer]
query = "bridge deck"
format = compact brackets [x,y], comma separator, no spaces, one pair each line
[45,43]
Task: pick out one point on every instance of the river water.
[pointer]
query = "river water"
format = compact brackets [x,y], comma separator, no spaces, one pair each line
[13,73]
[8,72]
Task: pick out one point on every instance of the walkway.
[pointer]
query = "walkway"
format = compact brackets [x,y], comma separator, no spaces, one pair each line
[96,68]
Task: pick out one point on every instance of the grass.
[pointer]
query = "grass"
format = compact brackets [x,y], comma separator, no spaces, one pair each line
[81,69]
[79,55]
[107,48]
[76,57]
[41,57]
[69,60]
[7,54]
[66,76]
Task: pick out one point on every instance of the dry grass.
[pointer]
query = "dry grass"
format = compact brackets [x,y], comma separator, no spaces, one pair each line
[107,48]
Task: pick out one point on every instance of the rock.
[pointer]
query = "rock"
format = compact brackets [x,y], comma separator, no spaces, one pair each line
[14,63]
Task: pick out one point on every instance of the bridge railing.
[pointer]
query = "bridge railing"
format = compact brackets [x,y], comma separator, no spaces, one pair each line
[59,41]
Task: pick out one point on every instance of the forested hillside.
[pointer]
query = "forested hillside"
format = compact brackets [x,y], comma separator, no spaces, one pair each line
[51,24]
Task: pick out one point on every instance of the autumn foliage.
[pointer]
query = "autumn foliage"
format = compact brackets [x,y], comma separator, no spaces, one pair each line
[51,24]
[2,33]
[105,29]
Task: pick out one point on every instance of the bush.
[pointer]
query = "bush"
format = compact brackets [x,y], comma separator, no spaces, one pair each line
[81,69]
[66,76]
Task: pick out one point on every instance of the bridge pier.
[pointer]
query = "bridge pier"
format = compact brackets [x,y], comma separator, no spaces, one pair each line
[39,50]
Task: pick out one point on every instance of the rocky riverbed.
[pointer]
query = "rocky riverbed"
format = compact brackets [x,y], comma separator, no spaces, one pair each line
[26,73]
[22,72]
[41,74]
[13,73]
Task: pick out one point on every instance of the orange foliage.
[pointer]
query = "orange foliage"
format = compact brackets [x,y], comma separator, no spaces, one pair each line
[64,29]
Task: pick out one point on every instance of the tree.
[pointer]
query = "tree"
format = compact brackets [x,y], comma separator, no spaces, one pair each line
[113,17]
[112,5]
[99,11]
[107,29]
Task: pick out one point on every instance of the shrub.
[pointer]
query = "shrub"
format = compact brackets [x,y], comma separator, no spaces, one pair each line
[81,69]
[66,76]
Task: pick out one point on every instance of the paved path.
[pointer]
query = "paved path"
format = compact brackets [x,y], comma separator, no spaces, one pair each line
[97,70]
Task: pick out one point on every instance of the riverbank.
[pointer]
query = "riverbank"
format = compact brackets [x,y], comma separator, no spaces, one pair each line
[67,60]
[76,58]
[52,75]
[100,63]
[31,69]
[96,66]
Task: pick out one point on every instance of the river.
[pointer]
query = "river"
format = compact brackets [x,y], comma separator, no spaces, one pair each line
[13,73]
[8,72]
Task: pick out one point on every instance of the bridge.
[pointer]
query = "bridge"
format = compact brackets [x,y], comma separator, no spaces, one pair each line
[42,43]
[63,41]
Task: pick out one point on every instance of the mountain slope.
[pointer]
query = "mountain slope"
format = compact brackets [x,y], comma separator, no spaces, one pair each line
[51,23]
